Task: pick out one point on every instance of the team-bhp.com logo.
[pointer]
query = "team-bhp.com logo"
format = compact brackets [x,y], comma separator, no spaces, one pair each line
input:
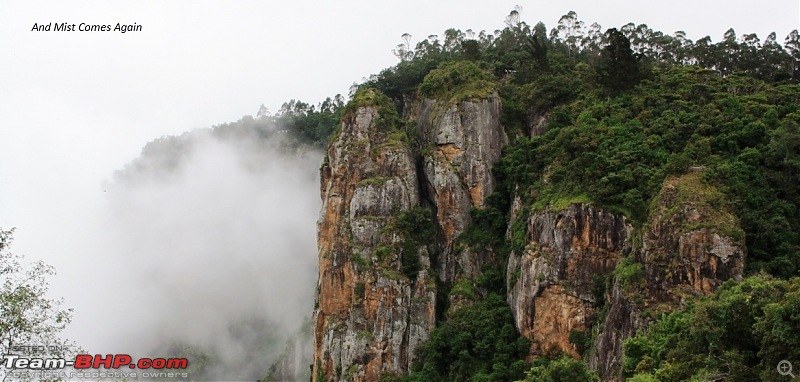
[86,366]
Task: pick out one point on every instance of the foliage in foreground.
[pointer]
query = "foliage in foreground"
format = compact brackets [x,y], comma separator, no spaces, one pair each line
[561,369]
[27,316]
[476,343]
[738,334]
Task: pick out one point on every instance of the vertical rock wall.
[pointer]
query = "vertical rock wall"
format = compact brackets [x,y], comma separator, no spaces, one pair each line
[369,316]
[552,284]
[690,246]
[461,143]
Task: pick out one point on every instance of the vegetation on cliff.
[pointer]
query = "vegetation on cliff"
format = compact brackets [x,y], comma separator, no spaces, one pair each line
[28,315]
[607,118]
[740,333]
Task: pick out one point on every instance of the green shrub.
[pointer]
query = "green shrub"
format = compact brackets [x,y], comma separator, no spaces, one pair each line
[359,291]
[739,333]
[478,342]
[582,340]
[457,81]
[388,119]
[562,369]
[417,229]
[630,273]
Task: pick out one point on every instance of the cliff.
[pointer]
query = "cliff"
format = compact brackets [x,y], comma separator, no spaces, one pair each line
[397,199]
[691,243]
[369,314]
[552,284]
[388,228]
[460,146]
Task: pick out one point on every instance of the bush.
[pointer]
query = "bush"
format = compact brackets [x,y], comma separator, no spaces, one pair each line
[562,369]
[457,81]
[478,342]
[739,333]
[417,229]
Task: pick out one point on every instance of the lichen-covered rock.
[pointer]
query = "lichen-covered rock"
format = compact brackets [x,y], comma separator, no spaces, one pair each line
[537,123]
[622,321]
[369,315]
[373,307]
[461,142]
[690,245]
[690,241]
[552,284]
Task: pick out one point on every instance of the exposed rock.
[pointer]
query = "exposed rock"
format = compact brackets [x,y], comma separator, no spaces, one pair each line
[622,321]
[552,283]
[690,243]
[461,143]
[690,246]
[369,316]
[537,123]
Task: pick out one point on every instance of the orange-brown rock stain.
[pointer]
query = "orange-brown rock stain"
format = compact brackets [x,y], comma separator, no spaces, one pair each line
[557,313]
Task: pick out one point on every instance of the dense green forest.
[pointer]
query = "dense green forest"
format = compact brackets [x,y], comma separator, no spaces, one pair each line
[624,109]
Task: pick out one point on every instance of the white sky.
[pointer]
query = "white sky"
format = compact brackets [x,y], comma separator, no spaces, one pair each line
[74,106]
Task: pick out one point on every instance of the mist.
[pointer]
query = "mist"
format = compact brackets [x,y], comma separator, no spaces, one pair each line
[205,246]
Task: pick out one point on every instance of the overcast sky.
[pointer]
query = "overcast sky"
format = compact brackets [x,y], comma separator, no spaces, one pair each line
[75,106]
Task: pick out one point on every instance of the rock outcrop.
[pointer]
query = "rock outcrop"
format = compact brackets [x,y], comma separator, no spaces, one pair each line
[690,245]
[583,270]
[461,143]
[552,285]
[372,313]
[369,316]
[581,280]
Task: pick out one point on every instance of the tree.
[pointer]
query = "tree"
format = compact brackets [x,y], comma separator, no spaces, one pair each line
[618,68]
[792,45]
[404,51]
[562,369]
[740,333]
[513,18]
[538,45]
[27,316]
[569,32]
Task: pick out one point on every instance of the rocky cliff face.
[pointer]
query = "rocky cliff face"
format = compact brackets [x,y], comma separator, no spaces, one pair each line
[584,267]
[553,283]
[369,315]
[372,313]
[582,280]
[461,144]
[690,245]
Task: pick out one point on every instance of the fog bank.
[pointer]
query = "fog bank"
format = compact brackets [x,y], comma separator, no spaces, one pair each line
[209,243]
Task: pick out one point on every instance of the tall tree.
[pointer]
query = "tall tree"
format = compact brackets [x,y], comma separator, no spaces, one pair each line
[404,51]
[537,46]
[569,31]
[792,45]
[619,68]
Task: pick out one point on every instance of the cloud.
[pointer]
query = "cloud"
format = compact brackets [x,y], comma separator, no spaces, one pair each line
[210,243]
